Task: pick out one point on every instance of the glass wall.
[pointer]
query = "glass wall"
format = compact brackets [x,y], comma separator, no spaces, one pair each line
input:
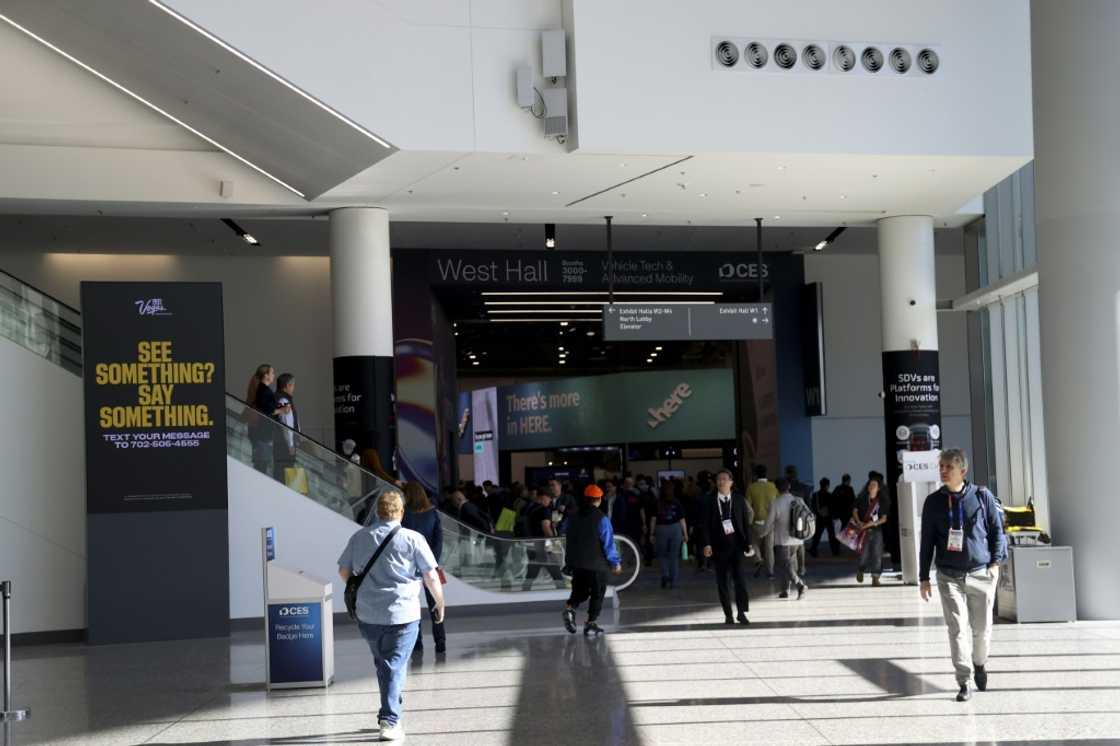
[1008,430]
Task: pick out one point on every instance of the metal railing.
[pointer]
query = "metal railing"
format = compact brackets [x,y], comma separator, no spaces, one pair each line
[8,714]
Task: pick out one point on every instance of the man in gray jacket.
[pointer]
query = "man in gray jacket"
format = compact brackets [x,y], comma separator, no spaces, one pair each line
[786,546]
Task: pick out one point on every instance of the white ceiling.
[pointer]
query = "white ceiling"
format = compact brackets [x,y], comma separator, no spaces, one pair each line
[51,104]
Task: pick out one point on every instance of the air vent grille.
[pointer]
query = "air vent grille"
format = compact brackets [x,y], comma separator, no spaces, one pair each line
[727,54]
[739,54]
[757,56]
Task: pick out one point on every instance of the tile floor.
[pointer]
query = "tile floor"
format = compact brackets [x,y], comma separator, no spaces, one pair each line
[849,664]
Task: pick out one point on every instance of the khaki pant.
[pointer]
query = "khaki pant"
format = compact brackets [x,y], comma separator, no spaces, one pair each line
[967,605]
[764,544]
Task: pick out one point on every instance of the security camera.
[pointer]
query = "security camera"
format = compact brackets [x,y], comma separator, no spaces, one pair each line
[913,302]
[882,395]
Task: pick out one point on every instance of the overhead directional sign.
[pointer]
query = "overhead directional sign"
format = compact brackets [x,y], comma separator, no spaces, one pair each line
[651,322]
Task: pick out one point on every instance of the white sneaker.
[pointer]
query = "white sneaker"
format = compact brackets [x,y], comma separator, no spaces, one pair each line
[391,732]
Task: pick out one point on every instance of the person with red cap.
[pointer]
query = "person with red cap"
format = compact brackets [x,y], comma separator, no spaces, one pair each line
[590,552]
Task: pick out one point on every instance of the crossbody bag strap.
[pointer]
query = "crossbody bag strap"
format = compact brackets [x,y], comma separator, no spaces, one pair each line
[377,553]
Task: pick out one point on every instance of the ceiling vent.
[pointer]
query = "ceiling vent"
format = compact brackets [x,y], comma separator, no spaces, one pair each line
[814,57]
[727,54]
[858,58]
[844,58]
[756,54]
[900,60]
[871,59]
[785,56]
[928,61]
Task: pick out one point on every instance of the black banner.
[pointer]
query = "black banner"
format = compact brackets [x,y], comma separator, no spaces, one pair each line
[154,362]
[912,415]
[363,405]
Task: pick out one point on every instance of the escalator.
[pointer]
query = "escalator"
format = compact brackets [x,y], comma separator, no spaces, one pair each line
[486,563]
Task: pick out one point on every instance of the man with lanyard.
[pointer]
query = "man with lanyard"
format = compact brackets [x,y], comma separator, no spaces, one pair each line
[962,527]
[725,534]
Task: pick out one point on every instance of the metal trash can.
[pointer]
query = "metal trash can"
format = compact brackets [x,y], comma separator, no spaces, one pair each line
[1037,585]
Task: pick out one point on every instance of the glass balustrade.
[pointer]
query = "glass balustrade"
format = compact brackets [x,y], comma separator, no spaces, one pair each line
[40,324]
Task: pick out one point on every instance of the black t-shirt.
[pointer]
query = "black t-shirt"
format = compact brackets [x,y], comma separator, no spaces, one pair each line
[536,514]
[669,513]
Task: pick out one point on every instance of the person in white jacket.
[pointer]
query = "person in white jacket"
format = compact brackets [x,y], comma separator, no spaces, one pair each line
[785,545]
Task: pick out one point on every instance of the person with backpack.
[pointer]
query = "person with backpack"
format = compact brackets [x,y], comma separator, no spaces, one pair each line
[873,507]
[790,522]
[962,528]
[392,562]
[589,554]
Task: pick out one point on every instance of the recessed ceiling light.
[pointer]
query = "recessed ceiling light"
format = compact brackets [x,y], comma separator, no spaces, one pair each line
[561,349]
[456,334]
[649,359]
[777,217]
[781,168]
[563,323]
[562,362]
[658,348]
[475,363]
[820,246]
[505,213]
[645,215]
[843,196]
[622,165]
[556,194]
[703,194]
[653,354]
[591,334]
[472,357]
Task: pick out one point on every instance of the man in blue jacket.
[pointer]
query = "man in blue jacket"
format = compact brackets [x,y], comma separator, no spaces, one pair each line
[962,527]
[590,552]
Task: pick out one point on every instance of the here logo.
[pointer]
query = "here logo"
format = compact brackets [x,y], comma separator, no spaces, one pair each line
[669,407]
[294,611]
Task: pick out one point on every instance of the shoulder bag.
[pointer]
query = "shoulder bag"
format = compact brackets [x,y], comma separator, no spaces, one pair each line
[354,582]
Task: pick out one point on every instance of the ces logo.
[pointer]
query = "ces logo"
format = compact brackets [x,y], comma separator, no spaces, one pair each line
[295,611]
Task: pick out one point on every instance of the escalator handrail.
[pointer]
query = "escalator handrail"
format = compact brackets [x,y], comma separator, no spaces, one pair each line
[53,299]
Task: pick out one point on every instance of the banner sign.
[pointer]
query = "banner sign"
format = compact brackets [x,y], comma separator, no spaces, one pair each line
[589,270]
[484,427]
[295,643]
[363,387]
[154,381]
[652,322]
[921,466]
[912,405]
[673,405]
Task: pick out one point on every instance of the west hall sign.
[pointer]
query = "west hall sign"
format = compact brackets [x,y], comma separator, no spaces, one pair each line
[585,270]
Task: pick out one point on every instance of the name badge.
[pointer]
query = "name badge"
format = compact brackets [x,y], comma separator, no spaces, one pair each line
[728,528]
[956,540]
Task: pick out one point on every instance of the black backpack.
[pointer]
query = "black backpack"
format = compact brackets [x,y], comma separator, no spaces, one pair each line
[802,522]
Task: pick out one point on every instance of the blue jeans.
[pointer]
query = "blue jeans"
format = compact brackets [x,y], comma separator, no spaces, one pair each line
[668,541]
[391,645]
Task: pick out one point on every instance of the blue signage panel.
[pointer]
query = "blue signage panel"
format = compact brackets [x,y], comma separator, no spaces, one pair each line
[295,643]
[270,544]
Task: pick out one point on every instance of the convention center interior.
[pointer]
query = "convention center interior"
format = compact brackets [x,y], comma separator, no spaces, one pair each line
[547,372]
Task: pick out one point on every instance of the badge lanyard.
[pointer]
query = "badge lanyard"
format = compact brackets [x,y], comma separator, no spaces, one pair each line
[955,542]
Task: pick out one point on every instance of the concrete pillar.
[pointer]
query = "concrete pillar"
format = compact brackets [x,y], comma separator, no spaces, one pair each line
[911,378]
[362,301]
[1077,199]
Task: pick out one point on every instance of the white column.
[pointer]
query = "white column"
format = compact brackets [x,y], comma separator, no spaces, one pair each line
[907,276]
[361,282]
[1078,209]
[362,301]
[911,376]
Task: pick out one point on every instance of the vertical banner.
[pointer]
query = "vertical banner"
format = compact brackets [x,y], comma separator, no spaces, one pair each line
[155,427]
[484,423]
[363,406]
[912,414]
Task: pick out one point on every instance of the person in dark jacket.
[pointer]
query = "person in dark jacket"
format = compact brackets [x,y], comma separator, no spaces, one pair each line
[262,399]
[962,529]
[725,531]
[421,517]
[590,553]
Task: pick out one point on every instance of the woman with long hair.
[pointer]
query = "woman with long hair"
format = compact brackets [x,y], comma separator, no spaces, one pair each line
[668,531]
[871,512]
[423,518]
[262,399]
